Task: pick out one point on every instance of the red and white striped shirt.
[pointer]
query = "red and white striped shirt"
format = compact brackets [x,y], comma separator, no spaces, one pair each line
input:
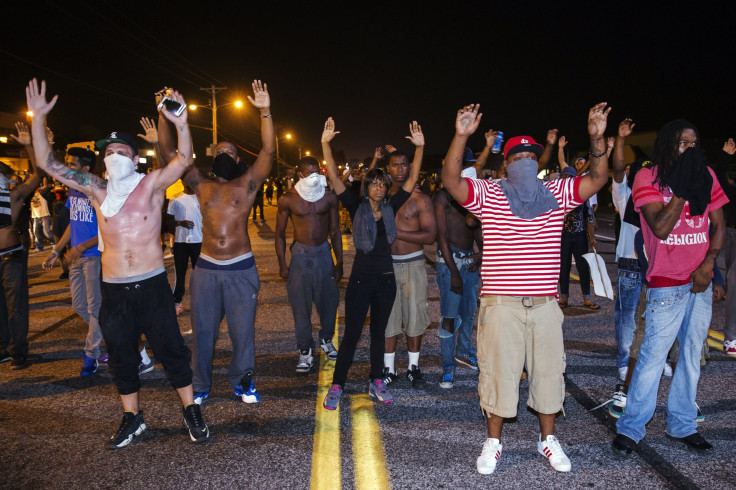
[521,257]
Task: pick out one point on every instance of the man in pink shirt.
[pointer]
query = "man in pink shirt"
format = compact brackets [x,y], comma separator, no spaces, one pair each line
[678,197]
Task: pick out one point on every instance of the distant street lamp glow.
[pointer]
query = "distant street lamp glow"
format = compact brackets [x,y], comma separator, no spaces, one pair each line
[238,104]
[288,136]
[150,153]
[3,139]
[307,153]
[29,113]
[192,107]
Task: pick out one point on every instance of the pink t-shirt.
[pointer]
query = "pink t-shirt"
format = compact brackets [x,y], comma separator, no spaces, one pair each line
[521,257]
[685,248]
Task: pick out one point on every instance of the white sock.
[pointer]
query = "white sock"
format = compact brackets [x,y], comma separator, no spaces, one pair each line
[144,356]
[388,361]
[413,359]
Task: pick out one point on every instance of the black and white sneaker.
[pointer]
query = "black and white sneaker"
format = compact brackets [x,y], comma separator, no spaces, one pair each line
[305,361]
[415,376]
[131,426]
[198,430]
[389,377]
[329,349]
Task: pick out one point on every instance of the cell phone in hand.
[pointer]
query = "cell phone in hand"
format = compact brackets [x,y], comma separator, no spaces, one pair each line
[174,107]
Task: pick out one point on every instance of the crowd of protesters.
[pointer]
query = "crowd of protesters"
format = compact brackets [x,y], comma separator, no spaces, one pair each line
[505,240]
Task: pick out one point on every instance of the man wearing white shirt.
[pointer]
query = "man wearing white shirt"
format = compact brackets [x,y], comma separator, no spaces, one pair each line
[187,238]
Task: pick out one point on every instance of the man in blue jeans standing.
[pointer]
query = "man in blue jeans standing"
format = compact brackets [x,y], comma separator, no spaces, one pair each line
[457,278]
[678,197]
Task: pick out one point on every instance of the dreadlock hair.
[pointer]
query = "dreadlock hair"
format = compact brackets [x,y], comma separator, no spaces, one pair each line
[667,148]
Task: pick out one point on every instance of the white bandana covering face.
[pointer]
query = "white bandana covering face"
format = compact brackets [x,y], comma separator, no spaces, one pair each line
[122,179]
[312,187]
[469,173]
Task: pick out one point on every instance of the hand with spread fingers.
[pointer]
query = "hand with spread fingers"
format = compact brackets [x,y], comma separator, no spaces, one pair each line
[149,127]
[24,136]
[417,137]
[467,120]
[625,128]
[262,100]
[552,136]
[329,133]
[598,120]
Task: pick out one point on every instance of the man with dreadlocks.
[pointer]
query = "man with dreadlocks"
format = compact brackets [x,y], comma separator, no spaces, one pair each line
[678,197]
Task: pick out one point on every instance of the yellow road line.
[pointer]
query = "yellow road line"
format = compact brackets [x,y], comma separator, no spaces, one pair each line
[368,458]
[326,461]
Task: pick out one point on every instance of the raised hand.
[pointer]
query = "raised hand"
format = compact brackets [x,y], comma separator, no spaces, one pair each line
[390,148]
[552,136]
[260,91]
[597,120]
[563,142]
[729,146]
[181,118]
[490,137]
[50,136]
[149,127]
[378,153]
[417,137]
[610,141]
[36,99]
[328,134]
[467,120]
[625,128]
[24,137]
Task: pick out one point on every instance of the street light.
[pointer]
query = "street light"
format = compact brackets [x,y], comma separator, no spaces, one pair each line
[288,136]
[213,107]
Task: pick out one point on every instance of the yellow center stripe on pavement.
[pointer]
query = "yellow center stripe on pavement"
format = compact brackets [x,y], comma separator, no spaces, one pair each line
[326,462]
[368,458]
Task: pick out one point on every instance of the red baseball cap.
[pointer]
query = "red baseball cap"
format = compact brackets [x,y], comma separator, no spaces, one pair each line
[517,144]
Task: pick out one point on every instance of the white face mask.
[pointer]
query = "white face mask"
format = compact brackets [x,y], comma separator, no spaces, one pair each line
[312,187]
[119,166]
[122,181]
[469,173]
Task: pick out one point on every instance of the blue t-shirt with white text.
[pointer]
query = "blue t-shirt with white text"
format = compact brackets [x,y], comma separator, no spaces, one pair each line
[83,221]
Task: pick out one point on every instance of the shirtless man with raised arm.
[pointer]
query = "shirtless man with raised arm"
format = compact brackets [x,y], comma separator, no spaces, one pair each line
[136,296]
[225,280]
[415,227]
[311,275]
[13,260]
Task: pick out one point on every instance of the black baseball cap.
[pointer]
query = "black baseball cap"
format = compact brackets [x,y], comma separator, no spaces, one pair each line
[118,137]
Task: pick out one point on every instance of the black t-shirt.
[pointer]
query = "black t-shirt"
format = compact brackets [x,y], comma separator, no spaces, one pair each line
[378,260]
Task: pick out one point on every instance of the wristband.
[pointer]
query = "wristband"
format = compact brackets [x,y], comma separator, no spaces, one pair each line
[267,115]
[55,253]
[597,155]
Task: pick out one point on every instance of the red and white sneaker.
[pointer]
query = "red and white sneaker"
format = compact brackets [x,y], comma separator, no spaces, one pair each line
[490,455]
[550,448]
[729,347]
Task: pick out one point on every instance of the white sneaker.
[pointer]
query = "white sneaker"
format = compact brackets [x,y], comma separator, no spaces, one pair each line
[622,372]
[550,448]
[490,455]
[667,371]
[305,361]
[729,347]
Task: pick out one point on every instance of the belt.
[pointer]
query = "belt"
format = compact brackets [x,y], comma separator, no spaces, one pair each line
[457,255]
[525,301]
[629,264]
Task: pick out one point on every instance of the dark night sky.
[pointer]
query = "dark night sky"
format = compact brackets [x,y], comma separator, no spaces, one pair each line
[375,66]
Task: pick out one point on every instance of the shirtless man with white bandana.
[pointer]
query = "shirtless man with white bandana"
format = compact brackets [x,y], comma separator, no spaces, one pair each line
[136,296]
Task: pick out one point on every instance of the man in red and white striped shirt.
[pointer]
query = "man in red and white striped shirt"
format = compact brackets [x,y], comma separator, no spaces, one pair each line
[520,322]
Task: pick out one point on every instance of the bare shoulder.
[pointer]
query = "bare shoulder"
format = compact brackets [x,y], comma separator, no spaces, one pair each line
[440,198]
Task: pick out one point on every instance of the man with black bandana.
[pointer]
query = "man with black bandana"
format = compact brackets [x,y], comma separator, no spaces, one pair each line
[519,322]
[136,296]
[225,280]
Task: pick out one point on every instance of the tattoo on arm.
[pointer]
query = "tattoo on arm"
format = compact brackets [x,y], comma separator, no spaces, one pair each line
[55,167]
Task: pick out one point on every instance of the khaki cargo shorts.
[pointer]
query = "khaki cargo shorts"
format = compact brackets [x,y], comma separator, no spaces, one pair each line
[410,306]
[514,333]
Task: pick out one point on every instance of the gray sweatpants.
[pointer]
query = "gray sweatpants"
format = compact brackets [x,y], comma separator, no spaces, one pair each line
[216,294]
[730,251]
[84,281]
[310,281]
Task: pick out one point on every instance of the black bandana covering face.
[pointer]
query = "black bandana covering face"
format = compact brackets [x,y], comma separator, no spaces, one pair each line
[226,167]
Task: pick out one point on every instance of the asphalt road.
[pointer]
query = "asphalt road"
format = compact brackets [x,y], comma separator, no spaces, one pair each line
[53,424]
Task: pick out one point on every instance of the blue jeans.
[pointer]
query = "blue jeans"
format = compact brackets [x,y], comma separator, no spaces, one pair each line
[628,288]
[672,313]
[461,307]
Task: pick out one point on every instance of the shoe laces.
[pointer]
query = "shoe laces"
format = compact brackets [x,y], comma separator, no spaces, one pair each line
[195,414]
[490,448]
[380,385]
[335,391]
[554,447]
[128,421]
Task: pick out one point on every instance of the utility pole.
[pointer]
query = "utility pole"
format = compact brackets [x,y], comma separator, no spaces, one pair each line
[212,90]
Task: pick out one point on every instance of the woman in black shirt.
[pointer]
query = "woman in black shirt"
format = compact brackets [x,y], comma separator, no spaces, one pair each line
[372,284]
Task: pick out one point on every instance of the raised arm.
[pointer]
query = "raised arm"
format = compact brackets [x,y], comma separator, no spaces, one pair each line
[561,153]
[417,139]
[328,134]
[546,155]
[85,182]
[151,136]
[377,155]
[183,161]
[21,191]
[598,174]
[466,123]
[624,130]
[261,169]
[490,136]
